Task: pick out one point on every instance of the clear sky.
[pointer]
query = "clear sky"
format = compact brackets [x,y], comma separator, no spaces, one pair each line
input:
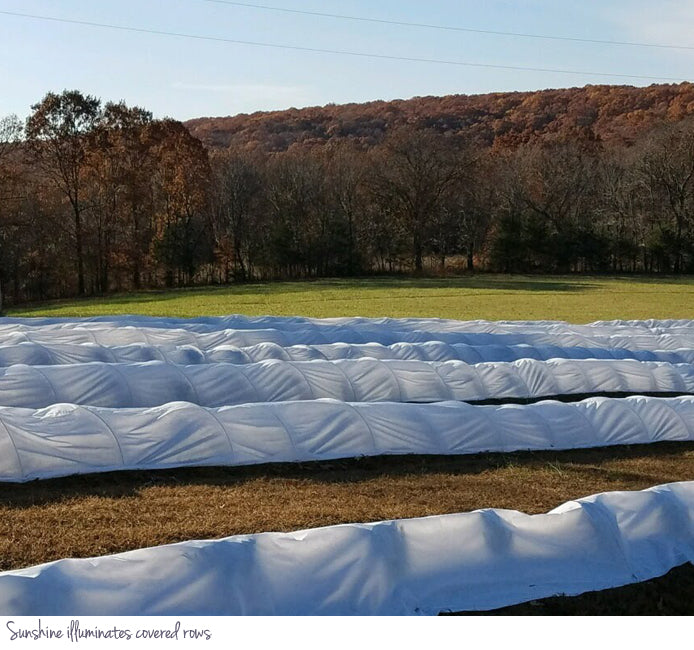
[185,78]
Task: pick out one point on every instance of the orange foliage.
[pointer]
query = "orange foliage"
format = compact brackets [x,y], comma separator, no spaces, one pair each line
[616,114]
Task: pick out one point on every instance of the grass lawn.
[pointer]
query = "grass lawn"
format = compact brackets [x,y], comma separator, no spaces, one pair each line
[494,297]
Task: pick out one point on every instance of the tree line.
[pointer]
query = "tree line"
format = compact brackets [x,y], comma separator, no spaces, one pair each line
[103,197]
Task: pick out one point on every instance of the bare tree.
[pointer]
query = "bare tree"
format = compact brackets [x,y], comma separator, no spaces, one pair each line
[667,177]
[619,213]
[10,136]
[557,182]
[412,173]
[345,177]
[237,189]
[296,199]
[469,205]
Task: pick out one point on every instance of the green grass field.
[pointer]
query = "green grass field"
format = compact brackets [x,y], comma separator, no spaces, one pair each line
[494,297]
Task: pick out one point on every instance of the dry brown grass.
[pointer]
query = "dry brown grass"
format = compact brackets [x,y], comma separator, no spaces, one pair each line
[100,514]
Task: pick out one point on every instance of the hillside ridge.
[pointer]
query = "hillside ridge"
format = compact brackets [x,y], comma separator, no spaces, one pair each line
[615,113]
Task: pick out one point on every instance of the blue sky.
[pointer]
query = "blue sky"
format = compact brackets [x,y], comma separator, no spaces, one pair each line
[185,78]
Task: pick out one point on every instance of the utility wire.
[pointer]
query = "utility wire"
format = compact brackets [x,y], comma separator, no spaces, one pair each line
[389,57]
[402,23]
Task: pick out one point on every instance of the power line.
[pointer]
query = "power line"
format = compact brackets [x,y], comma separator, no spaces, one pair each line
[449,28]
[299,48]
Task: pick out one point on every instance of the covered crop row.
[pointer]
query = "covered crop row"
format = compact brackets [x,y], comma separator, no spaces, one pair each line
[67,439]
[471,561]
[37,354]
[362,380]
[289,323]
[110,335]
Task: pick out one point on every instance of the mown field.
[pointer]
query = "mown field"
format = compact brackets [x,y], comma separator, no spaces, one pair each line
[83,516]
[493,297]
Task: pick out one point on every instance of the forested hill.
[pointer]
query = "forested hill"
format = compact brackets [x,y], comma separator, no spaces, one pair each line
[610,113]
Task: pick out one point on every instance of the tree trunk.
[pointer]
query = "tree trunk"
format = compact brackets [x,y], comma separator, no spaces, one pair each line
[350,250]
[418,254]
[78,250]
[240,270]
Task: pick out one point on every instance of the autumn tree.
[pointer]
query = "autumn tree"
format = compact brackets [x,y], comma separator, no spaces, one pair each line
[103,197]
[59,133]
[182,240]
[121,165]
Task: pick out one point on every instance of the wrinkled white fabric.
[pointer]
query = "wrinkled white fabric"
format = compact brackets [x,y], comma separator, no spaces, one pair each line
[67,439]
[38,354]
[239,390]
[350,380]
[288,323]
[471,561]
[244,331]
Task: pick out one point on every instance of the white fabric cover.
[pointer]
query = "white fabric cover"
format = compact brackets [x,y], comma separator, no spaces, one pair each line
[243,332]
[240,390]
[288,323]
[67,439]
[361,380]
[471,561]
[37,354]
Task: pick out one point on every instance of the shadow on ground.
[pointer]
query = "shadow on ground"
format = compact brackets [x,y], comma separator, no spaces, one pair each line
[590,463]
[668,595]
[476,283]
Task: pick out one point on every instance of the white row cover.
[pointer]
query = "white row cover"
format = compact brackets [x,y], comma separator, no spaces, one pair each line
[289,323]
[36,354]
[651,323]
[471,561]
[66,439]
[361,380]
[103,334]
